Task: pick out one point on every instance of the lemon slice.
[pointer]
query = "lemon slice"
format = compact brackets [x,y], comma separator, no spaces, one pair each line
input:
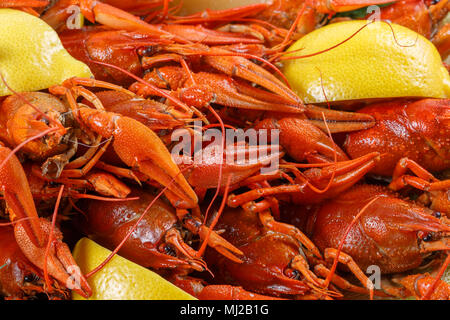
[31,55]
[372,64]
[121,279]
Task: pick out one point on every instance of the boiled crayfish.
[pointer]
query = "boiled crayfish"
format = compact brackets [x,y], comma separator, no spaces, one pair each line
[340,200]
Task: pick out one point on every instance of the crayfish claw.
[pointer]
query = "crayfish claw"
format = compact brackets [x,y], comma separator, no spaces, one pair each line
[58,261]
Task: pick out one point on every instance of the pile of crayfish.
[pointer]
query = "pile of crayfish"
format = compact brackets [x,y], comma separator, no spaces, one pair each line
[94,157]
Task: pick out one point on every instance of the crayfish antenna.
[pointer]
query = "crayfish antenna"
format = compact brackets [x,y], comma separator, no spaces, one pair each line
[217,216]
[289,55]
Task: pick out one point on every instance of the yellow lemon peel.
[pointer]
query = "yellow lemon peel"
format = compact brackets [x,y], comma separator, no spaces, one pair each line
[32,56]
[377,62]
[121,279]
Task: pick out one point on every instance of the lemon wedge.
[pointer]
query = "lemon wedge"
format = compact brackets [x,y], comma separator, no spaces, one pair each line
[32,56]
[377,62]
[121,279]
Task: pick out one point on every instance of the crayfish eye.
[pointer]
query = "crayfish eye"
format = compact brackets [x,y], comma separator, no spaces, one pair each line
[437,214]
[292,273]
[427,237]
[45,120]
[424,236]
[147,51]
[170,251]
[31,277]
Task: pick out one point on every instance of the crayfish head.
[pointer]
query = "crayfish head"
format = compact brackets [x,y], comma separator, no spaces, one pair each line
[28,121]
[431,228]
[436,241]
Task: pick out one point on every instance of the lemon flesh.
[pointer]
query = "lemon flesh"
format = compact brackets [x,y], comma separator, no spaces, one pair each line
[32,56]
[121,279]
[372,64]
